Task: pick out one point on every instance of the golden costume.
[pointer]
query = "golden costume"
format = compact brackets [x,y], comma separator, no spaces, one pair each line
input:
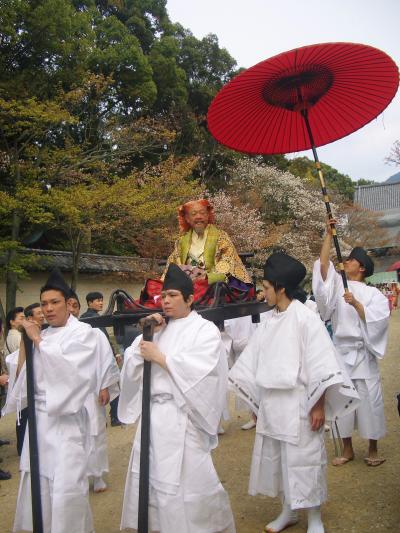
[214,252]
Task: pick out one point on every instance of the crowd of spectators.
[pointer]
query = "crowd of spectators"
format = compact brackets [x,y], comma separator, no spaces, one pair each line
[10,340]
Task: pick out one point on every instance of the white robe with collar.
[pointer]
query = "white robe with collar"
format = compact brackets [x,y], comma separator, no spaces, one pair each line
[186,405]
[286,367]
[65,375]
[360,343]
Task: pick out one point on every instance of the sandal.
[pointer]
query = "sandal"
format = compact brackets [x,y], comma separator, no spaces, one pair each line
[374,461]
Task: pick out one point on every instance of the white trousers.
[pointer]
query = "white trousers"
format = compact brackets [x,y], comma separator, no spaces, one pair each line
[66,512]
[201,504]
[369,417]
[98,456]
[64,486]
[297,473]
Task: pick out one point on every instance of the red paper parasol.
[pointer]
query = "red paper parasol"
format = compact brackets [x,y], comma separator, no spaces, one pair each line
[343,86]
[395,266]
[302,99]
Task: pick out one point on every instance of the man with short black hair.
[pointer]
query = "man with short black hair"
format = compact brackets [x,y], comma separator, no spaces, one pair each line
[94,302]
[360,320]
[64,360]
[188,393]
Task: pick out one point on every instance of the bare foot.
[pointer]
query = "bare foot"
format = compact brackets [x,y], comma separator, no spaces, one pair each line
[340,461]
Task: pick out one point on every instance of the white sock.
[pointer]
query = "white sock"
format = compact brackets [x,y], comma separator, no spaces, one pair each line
[315,524]
[99,485]
[285,519]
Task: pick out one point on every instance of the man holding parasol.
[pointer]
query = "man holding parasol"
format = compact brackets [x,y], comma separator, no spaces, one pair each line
[360,321]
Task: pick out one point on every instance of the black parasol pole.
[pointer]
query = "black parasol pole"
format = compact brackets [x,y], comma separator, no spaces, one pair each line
[37,519]
[325,195]
[143,514]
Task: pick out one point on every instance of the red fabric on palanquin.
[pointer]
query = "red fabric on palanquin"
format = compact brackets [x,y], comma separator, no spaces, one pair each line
[343,86]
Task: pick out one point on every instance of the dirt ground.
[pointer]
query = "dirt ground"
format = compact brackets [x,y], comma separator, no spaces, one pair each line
[361,499]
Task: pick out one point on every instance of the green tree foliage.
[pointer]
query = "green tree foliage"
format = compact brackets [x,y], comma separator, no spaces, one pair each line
[335,180]
[106,101]
[124,214]
[25,127]
[43,46]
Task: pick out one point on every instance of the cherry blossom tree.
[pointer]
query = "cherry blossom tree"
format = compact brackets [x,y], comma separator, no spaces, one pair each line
[292,210]
[242,222]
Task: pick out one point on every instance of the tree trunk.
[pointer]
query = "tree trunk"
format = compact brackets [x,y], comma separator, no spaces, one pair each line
[11,277]
[3,318]
[76,254]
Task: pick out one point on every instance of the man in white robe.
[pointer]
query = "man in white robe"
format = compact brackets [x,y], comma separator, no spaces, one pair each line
[107,388]
[188,390]
[289,376]
[64,361]
[360,320]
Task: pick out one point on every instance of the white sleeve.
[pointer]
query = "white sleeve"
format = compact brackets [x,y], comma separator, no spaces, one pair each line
[324,372]
[130,398]
[69,371]
[242,376]
[107,370]
[326,292]
[375,328]
[200,374]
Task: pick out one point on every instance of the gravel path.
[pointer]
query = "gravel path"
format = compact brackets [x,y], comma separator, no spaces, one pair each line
[361,499]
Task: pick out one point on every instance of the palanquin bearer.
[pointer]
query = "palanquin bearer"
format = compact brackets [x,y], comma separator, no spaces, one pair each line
[107,388]
[205,250]
[290,377]
[360,320]
[64,361]
[188,394]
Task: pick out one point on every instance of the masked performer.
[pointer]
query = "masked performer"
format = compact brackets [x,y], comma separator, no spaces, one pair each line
[64,361]
[360,320]
[188,392]
[207,251]
[289,376]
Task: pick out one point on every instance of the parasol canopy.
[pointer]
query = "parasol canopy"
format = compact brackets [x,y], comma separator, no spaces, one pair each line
[342,87]
[394,266]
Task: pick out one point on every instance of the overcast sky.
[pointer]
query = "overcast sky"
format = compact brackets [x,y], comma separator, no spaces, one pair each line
[253,30]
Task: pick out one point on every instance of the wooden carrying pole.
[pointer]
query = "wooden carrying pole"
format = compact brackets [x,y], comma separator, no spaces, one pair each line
[37,519]
[325,195]
[143,513]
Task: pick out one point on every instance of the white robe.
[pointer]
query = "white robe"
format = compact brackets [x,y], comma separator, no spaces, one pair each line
[12,366]
[186,495]
[235,336]
[107,378]
[361,344]
[65,374]
[237,333]
[288,364]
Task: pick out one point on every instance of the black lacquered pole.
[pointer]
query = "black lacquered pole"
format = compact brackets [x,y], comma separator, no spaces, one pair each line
[304,113]
[143,515]
[37,519]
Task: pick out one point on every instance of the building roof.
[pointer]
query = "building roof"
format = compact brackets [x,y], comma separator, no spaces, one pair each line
[380,197]
[91,262]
